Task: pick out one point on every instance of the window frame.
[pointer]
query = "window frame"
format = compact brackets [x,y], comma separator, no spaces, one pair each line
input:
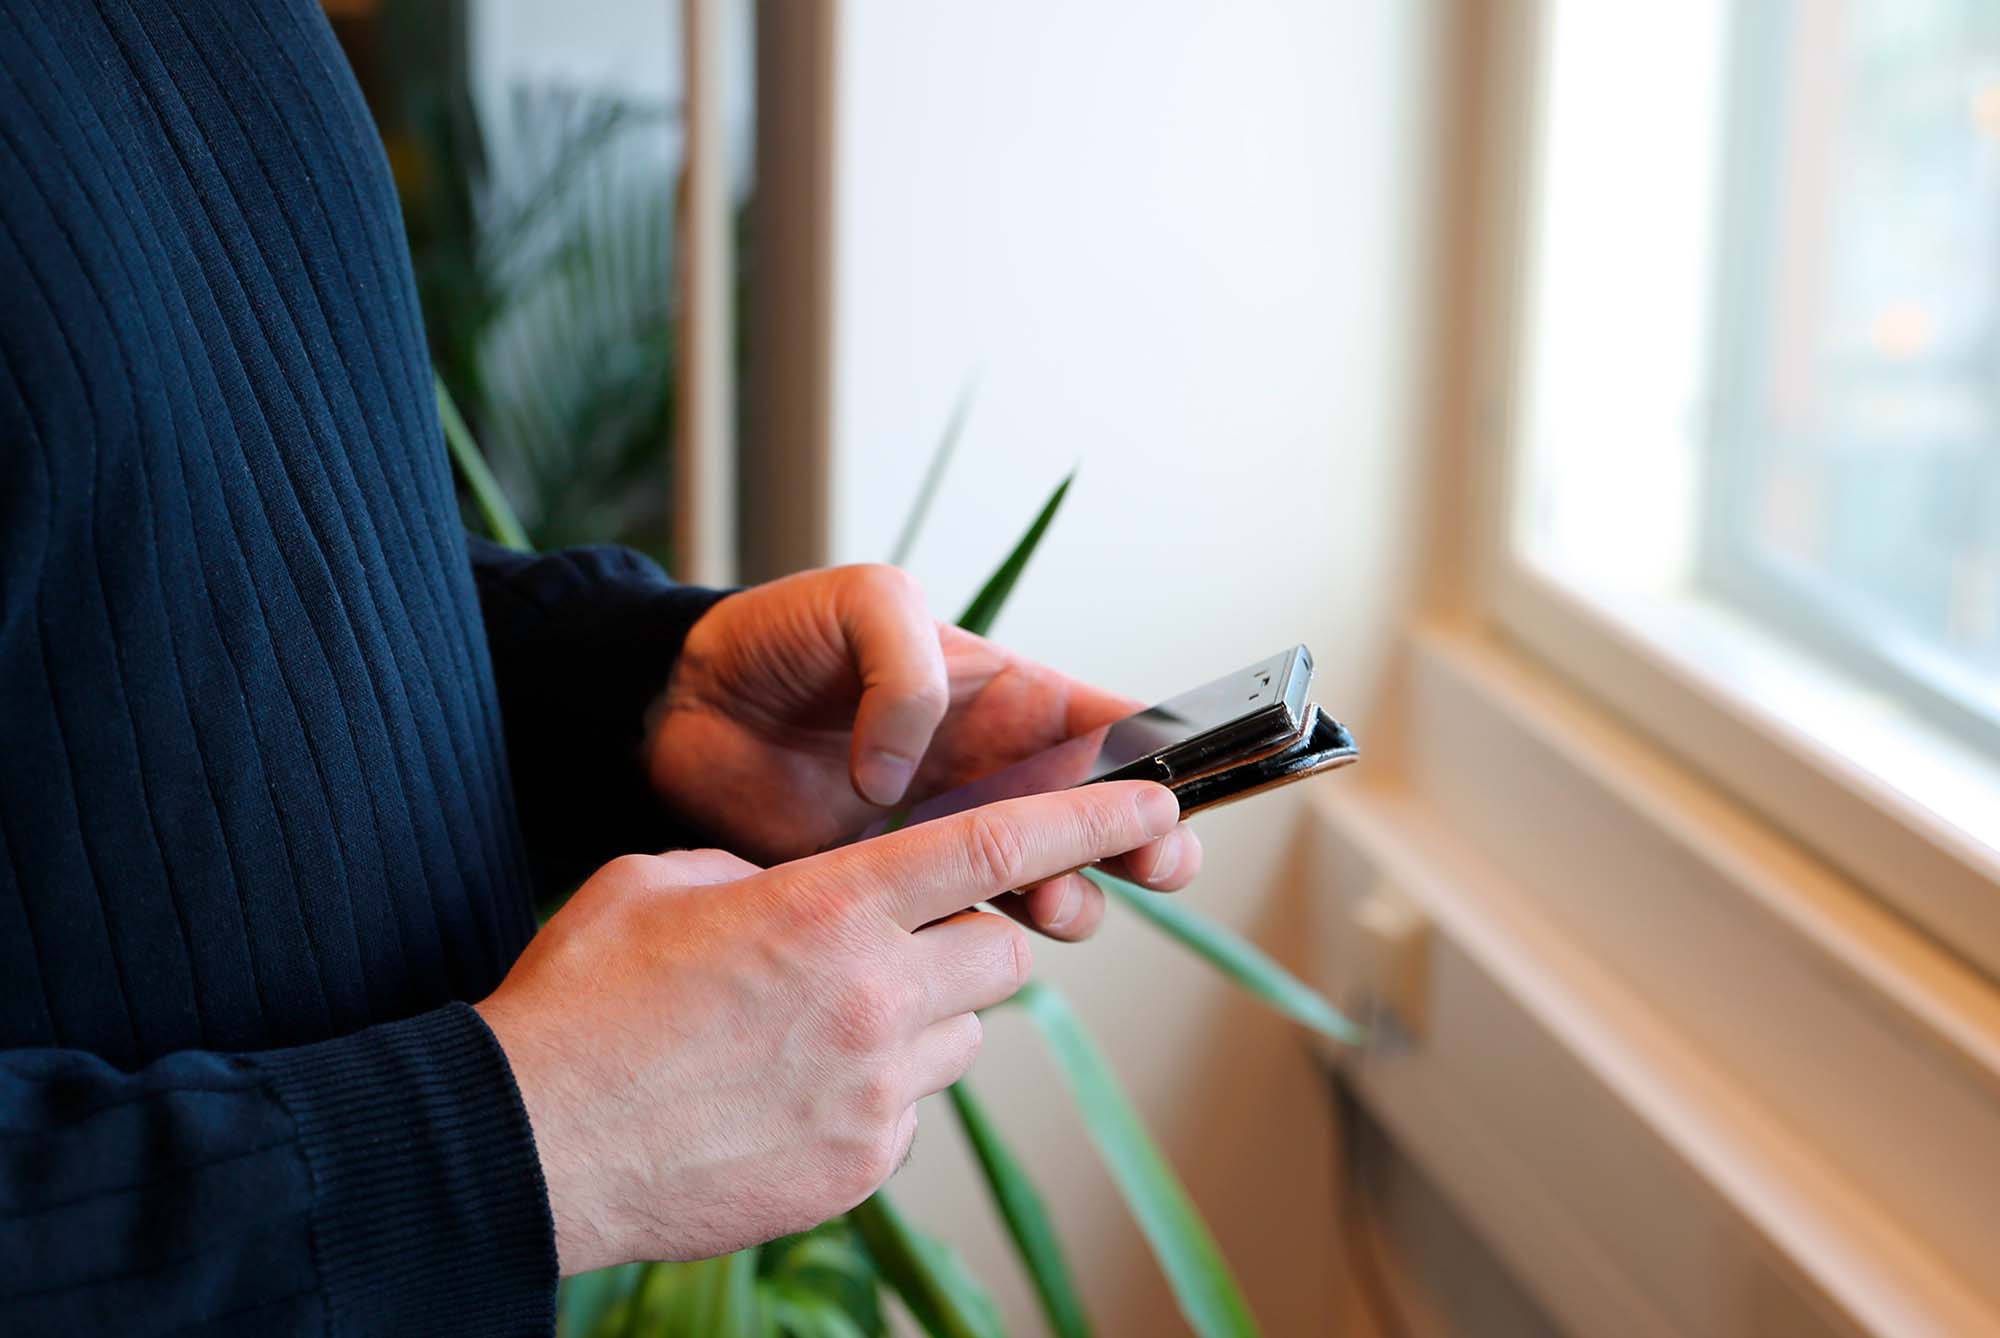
[1905,855]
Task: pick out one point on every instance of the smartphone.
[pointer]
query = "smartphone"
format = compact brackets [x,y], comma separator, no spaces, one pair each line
[1244,713]
[1242,734]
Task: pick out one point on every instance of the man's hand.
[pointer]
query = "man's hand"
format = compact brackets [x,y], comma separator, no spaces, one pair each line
[800,710]
[712,1055]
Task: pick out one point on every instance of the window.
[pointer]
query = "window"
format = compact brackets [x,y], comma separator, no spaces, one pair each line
[1755,407]
[1853,467]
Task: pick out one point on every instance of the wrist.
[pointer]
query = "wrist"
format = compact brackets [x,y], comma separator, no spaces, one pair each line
[581,1243]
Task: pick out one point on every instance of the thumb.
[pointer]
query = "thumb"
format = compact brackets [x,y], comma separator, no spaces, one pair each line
[894,645]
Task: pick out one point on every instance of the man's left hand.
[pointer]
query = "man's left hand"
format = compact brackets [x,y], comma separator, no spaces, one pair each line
[800,710]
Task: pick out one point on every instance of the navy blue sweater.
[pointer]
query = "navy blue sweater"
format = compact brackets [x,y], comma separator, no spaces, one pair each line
[266,718]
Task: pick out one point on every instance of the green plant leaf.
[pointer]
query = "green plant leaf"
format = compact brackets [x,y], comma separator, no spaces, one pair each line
[575,354]
[801,1312]
[585,1300]
[645,1311]
[920,508]
[836,1255]
[1027,1218]
[707,1296]
[1194,1266]
[1242,961]
[715,1297]
[930,1276]
[829,1262]
[986,605]
[546,272]
[501,521]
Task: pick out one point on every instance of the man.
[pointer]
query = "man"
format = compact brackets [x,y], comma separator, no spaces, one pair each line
[277,1051]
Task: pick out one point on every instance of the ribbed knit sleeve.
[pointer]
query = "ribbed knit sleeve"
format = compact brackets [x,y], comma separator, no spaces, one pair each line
[582,641]
[257,829]
[382,1182]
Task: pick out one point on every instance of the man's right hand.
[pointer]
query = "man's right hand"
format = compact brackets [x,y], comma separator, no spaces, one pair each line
[714,1055]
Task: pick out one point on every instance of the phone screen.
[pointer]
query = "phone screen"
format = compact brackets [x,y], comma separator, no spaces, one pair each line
[1254,698]
[1208,708]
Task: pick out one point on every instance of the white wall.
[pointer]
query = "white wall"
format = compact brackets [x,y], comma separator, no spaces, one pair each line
[1180,245]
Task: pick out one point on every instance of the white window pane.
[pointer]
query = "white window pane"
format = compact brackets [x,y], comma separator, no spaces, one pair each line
[1763,328]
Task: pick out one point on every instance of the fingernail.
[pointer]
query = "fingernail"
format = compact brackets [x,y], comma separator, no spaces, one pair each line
[883,775]
[1166,861]
[1071,903]
[1159,811]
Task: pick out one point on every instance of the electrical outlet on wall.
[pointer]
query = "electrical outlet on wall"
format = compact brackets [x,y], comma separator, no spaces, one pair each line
[1383,976]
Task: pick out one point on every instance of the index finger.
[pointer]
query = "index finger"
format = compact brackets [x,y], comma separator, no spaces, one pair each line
[926,872]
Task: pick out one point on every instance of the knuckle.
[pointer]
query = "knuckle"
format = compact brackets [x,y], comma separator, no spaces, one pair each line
[631,869]
[877,1098]
[996,849]
[867,1018]
[931,694]
[823,909]
[972,1035]
[729,859]
[885,1151]
[862,1165]
[705,865]
[831,904]
[851,1174]
[879,580]
[890,578]
[1019,959]
[1107,823]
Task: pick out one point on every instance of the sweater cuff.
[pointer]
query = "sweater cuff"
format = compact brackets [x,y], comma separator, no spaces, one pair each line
[582,641]
[429,1208]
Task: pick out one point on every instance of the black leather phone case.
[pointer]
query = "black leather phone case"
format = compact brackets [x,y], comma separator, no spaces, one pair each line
[1324,744]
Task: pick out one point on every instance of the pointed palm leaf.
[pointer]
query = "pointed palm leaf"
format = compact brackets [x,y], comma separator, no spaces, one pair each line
[985,607]
[929,1276]
[920,508]
[501,522]
[1201,1280]
[1242,961]
[1027,1217]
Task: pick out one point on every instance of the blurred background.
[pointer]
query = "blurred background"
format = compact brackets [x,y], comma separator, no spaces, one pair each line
[1608,394]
